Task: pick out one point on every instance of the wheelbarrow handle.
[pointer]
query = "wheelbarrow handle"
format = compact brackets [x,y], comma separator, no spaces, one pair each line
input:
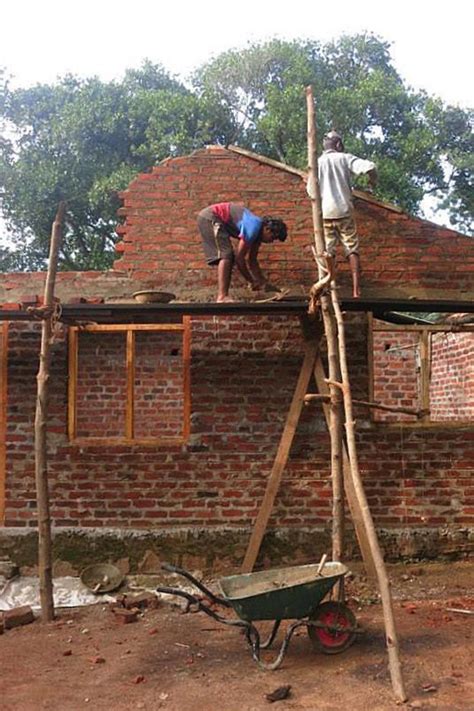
[197,583]
[202,607]
[170,568]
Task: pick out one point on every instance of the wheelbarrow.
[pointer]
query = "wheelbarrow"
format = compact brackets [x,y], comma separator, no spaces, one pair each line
[294,593]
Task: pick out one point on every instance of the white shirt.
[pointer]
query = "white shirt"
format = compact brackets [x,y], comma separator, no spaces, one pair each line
[334,171]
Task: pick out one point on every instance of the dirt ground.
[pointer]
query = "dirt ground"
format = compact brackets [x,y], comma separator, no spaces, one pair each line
[188,662]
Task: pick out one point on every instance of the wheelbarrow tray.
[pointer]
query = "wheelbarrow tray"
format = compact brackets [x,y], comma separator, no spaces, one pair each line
[280,594]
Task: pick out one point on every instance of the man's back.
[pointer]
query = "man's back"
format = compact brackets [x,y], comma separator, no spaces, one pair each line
[335,169]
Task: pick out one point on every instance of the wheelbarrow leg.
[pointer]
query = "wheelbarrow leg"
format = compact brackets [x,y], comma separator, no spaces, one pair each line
[253,638]
[268,642]
[249,634]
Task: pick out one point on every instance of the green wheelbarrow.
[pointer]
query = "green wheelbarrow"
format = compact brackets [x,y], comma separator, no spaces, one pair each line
[294,593]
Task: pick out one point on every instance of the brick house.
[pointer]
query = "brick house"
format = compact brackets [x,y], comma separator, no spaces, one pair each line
[169,457]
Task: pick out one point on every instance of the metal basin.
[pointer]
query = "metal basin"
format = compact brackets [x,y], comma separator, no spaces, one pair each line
[281,594]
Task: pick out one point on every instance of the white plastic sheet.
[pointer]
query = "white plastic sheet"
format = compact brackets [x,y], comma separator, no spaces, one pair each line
[67,592]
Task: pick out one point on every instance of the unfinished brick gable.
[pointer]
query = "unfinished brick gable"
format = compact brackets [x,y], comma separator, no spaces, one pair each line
[160,237]
[161,243]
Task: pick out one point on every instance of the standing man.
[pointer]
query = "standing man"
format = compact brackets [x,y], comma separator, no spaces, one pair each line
[217,224]
[334,171]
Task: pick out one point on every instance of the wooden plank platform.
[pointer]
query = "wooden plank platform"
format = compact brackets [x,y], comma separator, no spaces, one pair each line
[154,313]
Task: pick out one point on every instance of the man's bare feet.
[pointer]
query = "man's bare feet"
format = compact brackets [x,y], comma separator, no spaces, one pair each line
[225,300]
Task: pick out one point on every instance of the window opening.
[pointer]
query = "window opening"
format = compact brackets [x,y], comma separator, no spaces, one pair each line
[130,383]
[427,368]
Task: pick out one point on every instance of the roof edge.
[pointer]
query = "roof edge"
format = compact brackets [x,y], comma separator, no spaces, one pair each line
[268,161]
[361,195]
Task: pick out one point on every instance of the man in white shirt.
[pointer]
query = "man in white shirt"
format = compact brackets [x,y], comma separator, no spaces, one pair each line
[335,168]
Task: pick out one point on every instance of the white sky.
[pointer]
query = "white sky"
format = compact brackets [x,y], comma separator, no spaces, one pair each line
[43,39]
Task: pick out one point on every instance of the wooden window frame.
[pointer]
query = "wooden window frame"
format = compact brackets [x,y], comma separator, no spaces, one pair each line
[129,330]
[425,333]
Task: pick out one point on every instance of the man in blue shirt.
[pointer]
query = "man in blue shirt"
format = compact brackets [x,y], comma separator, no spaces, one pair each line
[217,224]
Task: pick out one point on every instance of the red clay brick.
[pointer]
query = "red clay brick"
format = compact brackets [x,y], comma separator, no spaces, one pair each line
[18,616]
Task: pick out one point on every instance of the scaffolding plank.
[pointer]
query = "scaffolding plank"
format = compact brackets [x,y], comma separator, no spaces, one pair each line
[281,458]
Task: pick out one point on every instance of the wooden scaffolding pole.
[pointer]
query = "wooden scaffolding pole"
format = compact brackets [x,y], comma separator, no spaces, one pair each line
[356,514]
[311,337]
[335,414]
[382,577]
[41,464]
[281,457]
[371,405]
[376,554]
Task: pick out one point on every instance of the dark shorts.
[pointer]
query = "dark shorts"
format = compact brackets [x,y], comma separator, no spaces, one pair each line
[216,239]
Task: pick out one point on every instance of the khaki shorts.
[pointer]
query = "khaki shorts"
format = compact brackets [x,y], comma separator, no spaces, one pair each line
[342,230]
[215,239]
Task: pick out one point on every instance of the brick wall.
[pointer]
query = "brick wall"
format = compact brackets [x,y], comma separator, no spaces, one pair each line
[396,373]
[159,385]
[243,373]
[101,385]
[452,376]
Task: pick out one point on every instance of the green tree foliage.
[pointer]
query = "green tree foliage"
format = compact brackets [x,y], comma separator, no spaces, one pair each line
[421,147]
[83,141]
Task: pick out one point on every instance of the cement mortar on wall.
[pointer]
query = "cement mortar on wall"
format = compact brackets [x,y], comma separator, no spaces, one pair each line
[217,549]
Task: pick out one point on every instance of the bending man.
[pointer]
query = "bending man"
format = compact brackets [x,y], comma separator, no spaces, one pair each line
[225,220]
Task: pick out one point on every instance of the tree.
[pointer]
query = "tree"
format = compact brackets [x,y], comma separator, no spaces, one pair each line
[421,147]
[82,141]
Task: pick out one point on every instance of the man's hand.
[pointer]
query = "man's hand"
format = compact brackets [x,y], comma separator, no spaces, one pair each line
[372,177]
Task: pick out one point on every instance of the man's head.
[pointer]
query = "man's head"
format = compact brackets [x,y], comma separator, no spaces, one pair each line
[273,228]
[332,141]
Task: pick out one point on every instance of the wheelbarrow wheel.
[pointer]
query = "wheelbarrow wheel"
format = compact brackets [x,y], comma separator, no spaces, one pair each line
[332,641]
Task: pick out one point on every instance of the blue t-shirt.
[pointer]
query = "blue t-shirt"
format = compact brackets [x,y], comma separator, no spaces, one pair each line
[249,226]
[239,221]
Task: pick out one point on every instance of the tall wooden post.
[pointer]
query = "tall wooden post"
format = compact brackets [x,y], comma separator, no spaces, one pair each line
[335,417]
[41,464]
[360,498]
[382,577]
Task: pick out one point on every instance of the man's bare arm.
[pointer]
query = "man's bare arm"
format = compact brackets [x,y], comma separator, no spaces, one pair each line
[243,250]
[254,267]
